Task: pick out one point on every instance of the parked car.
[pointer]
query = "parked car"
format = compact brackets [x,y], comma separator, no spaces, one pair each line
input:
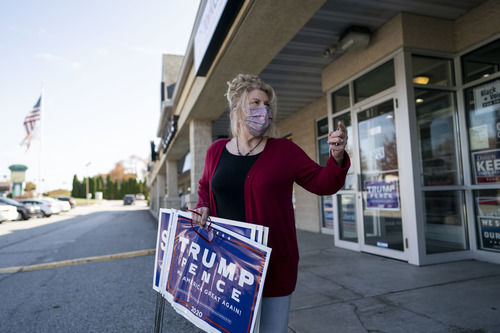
[46,208]
[64,206]
[71,200]
[8,212]
[128,199]
[56,205]
[24,211]
[140,196]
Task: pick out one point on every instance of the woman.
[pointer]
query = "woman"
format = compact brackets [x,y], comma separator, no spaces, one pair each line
[250,178]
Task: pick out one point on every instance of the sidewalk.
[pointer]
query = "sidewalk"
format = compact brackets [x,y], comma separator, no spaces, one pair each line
[345,291]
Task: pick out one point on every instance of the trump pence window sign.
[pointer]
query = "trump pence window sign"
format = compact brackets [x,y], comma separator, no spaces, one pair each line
[382,194]
[215,276]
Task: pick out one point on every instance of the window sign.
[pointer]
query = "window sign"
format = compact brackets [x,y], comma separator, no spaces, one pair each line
[487,97]
[382,195]
[487,166]
[327,210]
[479,137]
[490,232]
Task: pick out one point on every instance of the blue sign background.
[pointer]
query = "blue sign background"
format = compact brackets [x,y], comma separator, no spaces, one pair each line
[219,309]
[381,194]
[164,218]
[241,230]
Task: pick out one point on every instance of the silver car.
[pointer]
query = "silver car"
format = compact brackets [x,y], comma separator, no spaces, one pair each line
[45,207]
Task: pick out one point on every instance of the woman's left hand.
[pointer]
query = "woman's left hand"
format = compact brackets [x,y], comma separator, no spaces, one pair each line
[337,141]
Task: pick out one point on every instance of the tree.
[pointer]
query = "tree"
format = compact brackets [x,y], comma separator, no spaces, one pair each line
[29,187]
[99,184]
[75,187]
[108,187]
[92,186]
[118,172]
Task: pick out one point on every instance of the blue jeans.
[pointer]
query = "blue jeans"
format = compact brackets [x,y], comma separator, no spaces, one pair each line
[274,314]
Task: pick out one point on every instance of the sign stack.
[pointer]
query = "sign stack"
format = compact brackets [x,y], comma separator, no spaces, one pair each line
[213,276]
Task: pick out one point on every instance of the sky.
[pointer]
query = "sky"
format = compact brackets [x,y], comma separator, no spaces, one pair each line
[99,65]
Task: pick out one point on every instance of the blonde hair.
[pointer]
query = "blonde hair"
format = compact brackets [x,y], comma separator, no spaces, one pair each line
[237,97]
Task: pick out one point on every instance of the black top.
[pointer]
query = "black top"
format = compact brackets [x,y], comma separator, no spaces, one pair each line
[228,184]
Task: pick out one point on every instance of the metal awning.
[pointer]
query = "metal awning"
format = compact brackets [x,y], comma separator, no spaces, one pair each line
[295,72]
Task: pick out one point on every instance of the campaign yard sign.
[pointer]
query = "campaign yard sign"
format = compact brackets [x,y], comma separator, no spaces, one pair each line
[161,245]
[251,231]
[216,281]
[382,195]
[213,277]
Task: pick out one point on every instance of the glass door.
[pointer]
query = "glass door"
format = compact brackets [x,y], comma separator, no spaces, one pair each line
[381,227]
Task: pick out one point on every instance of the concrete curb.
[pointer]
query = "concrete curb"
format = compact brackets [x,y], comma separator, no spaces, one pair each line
[78,261]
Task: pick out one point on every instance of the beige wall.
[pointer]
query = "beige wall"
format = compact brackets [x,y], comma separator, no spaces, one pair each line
[171,67]
[417,32]
[424,32]
[383,41]
[477,25]
[302,126]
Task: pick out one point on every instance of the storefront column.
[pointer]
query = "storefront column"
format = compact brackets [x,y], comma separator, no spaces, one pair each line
[160,191]
[200,138]
[153,199]
[172,199]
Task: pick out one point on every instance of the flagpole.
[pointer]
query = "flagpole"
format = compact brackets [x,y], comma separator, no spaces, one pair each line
[42,116]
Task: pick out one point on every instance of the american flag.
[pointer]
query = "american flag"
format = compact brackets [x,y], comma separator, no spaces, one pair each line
[30,122]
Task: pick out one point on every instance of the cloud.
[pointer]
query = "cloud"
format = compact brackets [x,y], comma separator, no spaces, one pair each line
[147,50]
[49,57]
[102,51]
[46,56]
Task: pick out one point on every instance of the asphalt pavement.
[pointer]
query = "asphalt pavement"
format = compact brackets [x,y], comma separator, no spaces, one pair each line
[337,290]
[350,292]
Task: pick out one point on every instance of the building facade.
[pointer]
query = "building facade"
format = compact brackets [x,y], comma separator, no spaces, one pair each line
[416,83]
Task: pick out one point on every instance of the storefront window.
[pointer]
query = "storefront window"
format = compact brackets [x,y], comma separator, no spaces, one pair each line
[437,138]
[347,214]
[482,62]
[488,218]
[375,81]
[322,127]
[444,222]
[432,71]
[346,120]
[327,211]
[483,115]
[326,202]
[324,150]
[380,177]
[340,99]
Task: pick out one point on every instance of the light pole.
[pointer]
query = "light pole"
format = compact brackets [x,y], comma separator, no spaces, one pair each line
[87,183]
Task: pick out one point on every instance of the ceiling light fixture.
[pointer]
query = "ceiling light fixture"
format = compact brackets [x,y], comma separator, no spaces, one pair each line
[419,100]
[354,38]
[421,79]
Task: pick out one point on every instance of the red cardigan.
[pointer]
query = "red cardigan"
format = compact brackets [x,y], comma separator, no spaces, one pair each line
[268,200]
